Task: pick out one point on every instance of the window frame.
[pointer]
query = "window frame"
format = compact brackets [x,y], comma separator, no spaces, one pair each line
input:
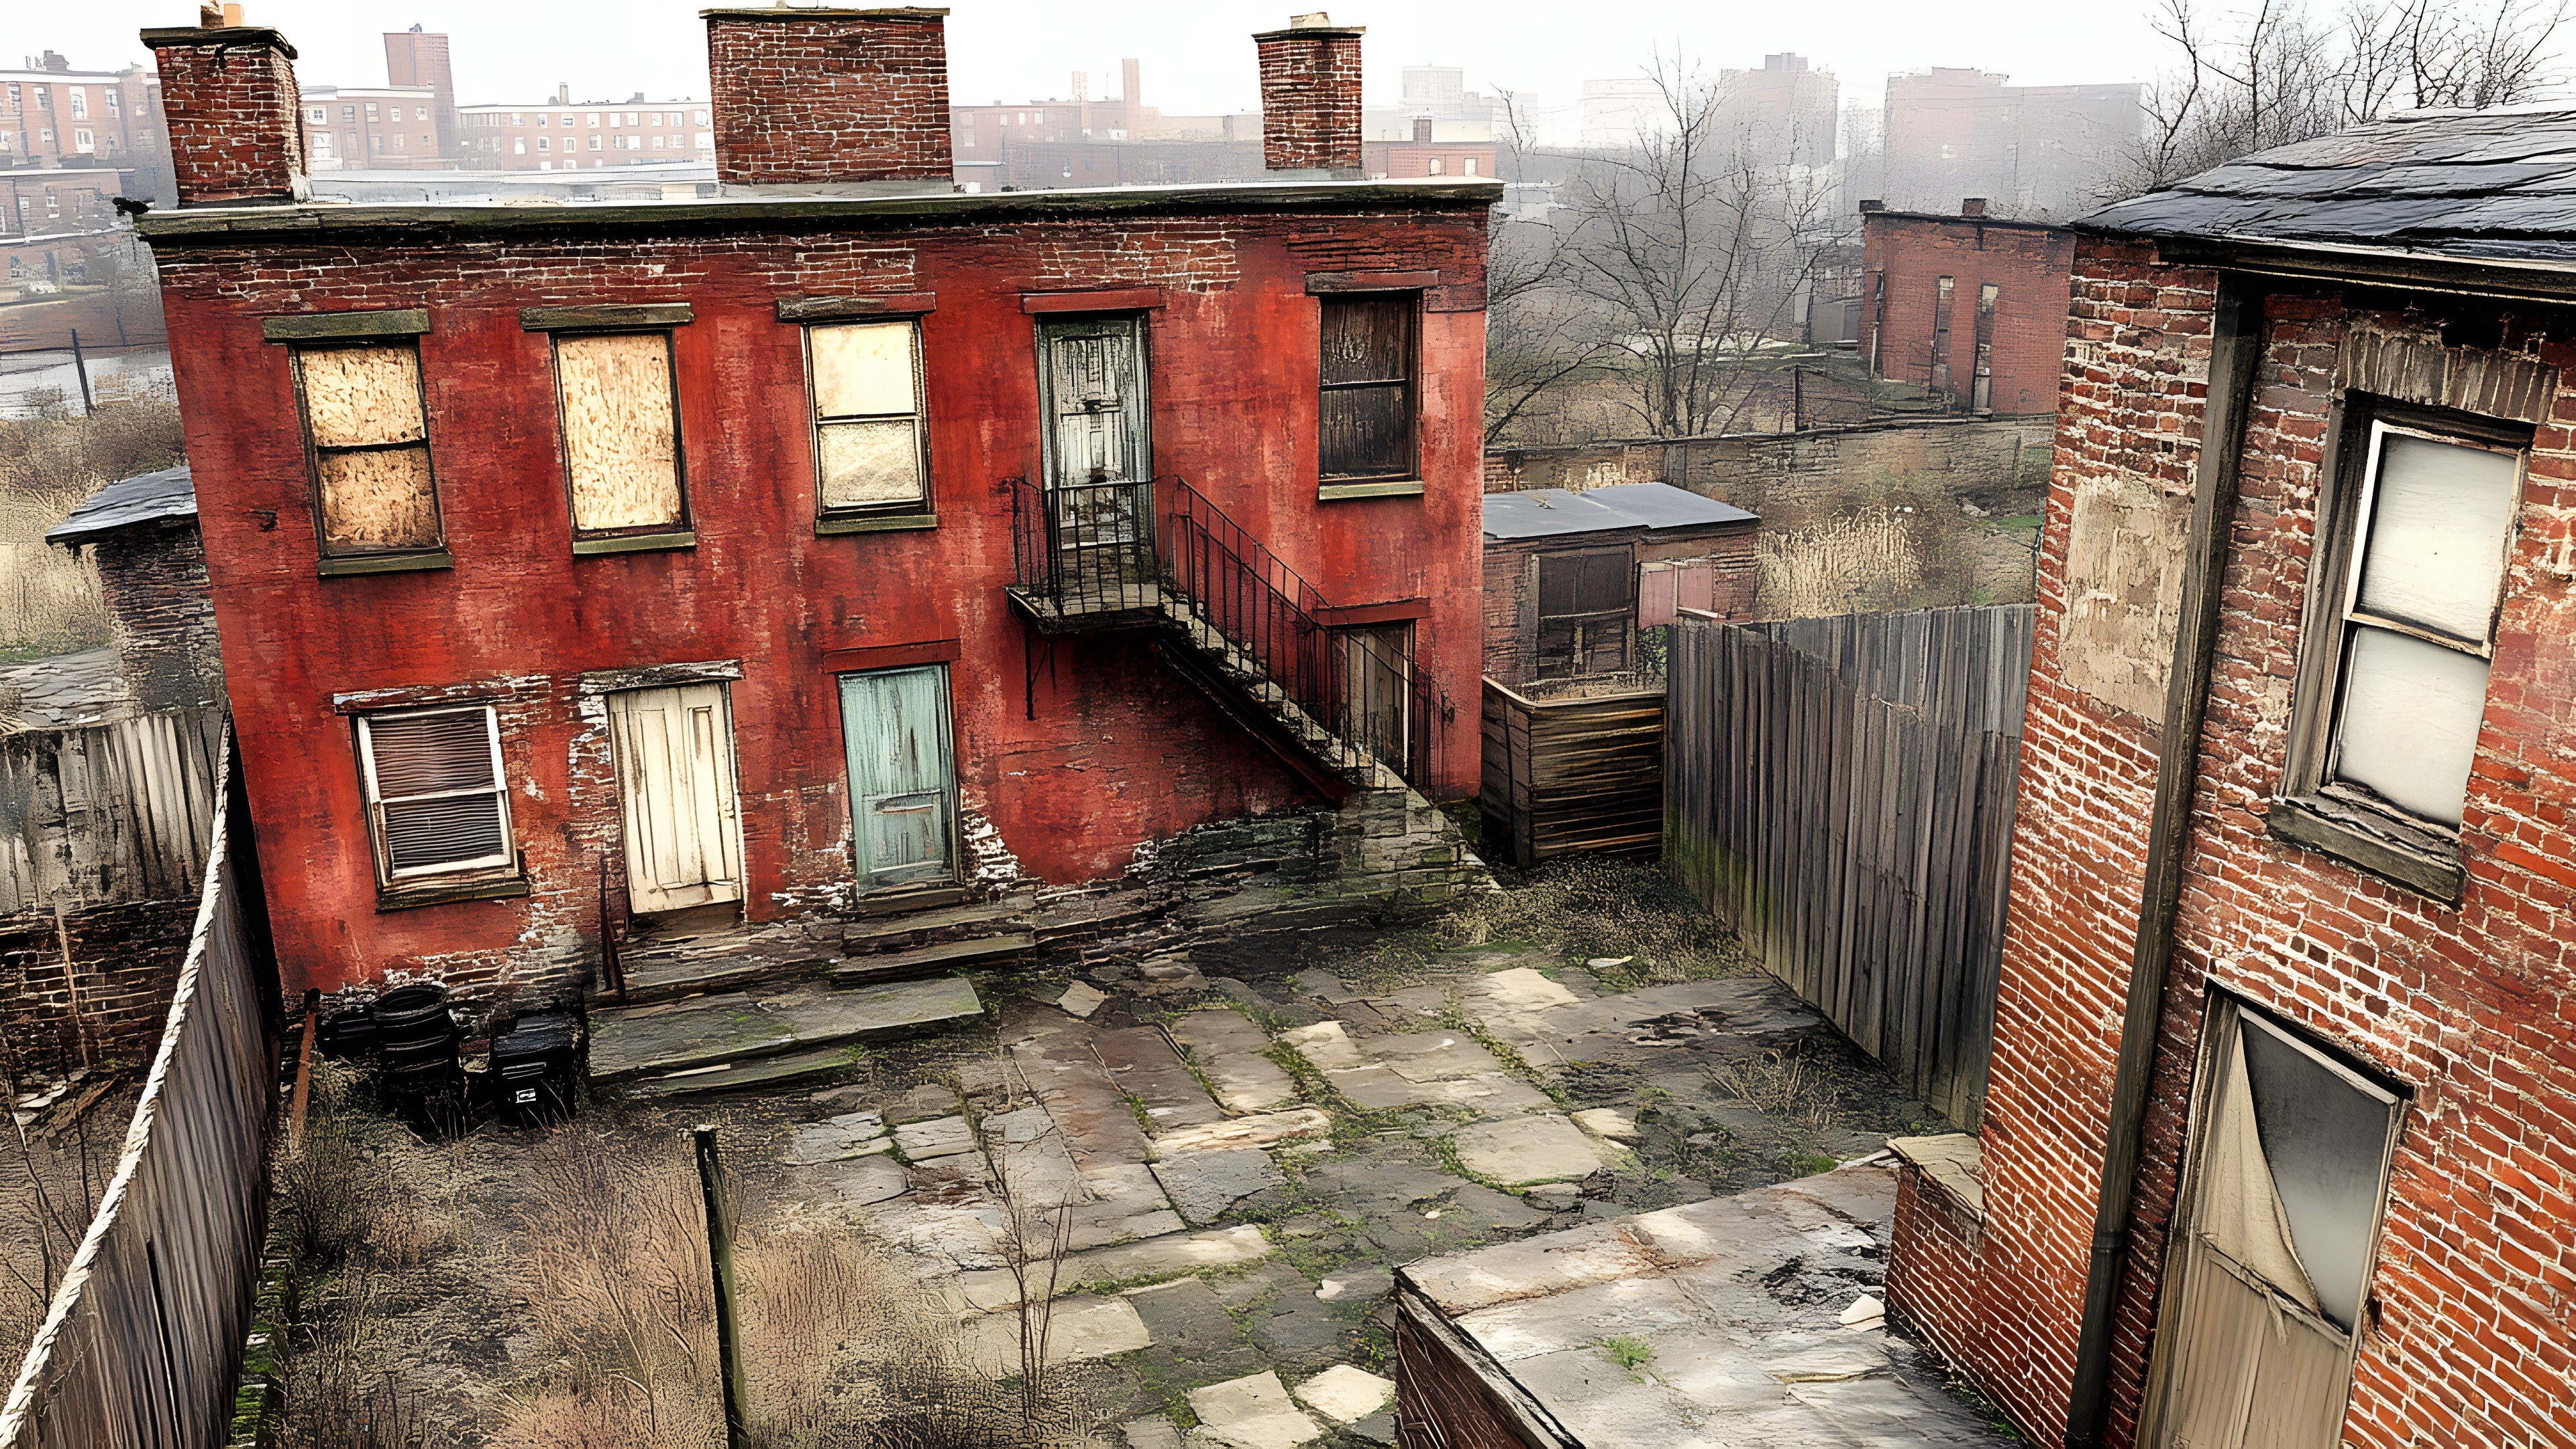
[1540,620]
[506,868]
[368,561]
[921,511]
[2313,808]
[1411,473]
[678,533]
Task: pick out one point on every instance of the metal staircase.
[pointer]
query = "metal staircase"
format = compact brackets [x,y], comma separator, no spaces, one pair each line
[1230,617]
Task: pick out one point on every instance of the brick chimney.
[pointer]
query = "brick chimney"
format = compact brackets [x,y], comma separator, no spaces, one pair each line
[1973,206]
[826,97]
[1310,96]
[228,95]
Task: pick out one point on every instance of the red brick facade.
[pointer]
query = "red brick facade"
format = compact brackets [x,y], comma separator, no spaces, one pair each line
[1911,333]
[1310,99]
[818,96]
[2469,1329]
[236,133]
[1511,619]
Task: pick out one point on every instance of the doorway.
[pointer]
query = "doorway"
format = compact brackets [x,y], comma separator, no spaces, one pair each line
[1098,453]
[675,776]
[2278,1223]
[903,785]
[1377,690]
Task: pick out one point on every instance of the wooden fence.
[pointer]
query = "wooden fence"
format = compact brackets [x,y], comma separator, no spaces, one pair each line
[143,1341]
[1577,771]
[1841,792]
[108,813]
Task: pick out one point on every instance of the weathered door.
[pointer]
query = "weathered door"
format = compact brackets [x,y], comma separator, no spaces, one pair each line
[1377,690]
[1099,459]
[675,773]
[2288,1170]
[894,724]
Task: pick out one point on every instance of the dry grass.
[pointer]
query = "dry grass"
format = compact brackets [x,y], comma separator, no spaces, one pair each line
[1625,912]
[1780,1084]
[49,600]
[1859,561]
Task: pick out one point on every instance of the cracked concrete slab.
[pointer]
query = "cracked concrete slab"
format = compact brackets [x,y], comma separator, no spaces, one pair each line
[1167,1256]
[936,1137]
[1528,1149]
[1258,1131]
[1344,1394]
[1080,1329]
[1202,1185]
[852,1134]
[1228,1050]
[1143,1065]
[1253,1412]
[1325,1044]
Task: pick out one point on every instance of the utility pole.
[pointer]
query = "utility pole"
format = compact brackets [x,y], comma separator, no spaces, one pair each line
[720,1258]
[80,365]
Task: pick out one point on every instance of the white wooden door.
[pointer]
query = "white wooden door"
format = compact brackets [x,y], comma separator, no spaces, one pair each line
[675,771]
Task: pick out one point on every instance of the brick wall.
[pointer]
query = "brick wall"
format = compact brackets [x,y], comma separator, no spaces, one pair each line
[2029,267]
[1933,1285]
[2001,464]
[125,962]
[1511,626]
[829,95]
[233,113]
[1440,1402]
[1310,99]
[155,582]
[2470,1316]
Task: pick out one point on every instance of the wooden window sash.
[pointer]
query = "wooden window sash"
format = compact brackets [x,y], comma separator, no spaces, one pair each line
[316,452]
[919,417]
[502,862]
[1404,385]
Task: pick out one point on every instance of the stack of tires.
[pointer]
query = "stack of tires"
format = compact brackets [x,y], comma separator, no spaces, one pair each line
[416,1046]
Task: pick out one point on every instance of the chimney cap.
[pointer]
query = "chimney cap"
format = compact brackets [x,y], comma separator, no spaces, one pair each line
[1870,206]
[227,36]
[1972,206]
[1315,25]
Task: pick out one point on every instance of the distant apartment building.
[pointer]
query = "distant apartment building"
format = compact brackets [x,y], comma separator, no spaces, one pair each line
[419,58]
[1615,114]
[1966,304]
[69,262]
[372,128]
[1420,155]
[587,135]
[1785,114]
[54,116]
[2032,151]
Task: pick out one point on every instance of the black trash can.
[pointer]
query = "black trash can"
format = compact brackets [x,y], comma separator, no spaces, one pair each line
[534,1067]
[348,1034]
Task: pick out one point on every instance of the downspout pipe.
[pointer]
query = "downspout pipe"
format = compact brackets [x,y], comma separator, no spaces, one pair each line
[2235,342]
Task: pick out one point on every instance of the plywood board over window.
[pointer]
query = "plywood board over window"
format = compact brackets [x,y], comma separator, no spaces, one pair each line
[373,491]
[621,432]
[1366,426]
[868,444]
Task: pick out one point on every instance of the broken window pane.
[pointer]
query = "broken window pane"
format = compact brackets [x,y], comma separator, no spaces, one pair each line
[2325,1139]
[2410,721]
[2439,518]
[621,430]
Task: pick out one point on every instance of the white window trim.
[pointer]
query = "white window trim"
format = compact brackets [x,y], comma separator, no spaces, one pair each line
[505,862]
[920,416]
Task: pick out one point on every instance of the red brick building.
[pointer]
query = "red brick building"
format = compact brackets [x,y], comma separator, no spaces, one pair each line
[793,548]
[567,135]
[55,117]
[1570,577]
[1970,306]
[2277,1147]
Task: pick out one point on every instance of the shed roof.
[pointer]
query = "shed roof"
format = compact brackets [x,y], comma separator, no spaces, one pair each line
[144,498]
[2470,186]
[1659,508]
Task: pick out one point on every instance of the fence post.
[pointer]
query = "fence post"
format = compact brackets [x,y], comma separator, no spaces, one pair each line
[720,1258]
[80,368]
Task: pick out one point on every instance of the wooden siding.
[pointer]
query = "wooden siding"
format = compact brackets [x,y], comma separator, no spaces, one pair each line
[1582,774]
[107,813]
[1841,793]
[143,1340]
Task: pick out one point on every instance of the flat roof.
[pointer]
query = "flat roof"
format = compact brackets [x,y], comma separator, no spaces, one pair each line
[2016,223]
[143,498]
[218,225]
[1658,508]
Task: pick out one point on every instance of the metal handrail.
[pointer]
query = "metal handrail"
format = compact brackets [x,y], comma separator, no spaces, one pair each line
[1084,547]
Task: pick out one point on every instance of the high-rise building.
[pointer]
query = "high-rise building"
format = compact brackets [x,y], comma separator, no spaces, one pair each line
[419,58]
[1782,114]
[2032,151]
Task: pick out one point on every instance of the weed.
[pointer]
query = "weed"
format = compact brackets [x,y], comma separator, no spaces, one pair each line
[1628,1352]
[1605,910]
[1808,1164]
[1779,1084]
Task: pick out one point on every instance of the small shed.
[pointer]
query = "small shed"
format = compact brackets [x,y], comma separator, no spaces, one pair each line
[152,571]
[1570,577]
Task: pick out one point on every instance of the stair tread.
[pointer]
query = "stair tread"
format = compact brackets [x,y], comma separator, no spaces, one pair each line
[972,913]
[758,1072]
[741,1026]
[946,953]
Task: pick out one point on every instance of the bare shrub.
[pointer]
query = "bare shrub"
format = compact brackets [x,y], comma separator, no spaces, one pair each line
[1779,1084]
[49,600]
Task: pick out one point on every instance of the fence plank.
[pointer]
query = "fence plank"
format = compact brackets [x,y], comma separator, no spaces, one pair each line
[1842,791]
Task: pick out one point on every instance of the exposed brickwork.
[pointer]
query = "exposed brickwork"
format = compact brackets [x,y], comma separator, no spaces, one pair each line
[125,963]
[2001,464]
[829,95]
[1908,254]
[154,579]
[1310,99]
[1442,1404]
[2472,1309]
[1934,1283]
[1511,616]
[234,114]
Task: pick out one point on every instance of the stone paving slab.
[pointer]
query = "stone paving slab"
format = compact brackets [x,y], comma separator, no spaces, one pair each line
[936,1137]
[1343,1394]
[1144,1066]
[1167,1256]
[704,1031]
[1080,1330]
[1528,1149]
[1325,1044]
[852,1134]
[1081,1098]
[1433,1056]
[1254,1412]
[1202,1185]
[1229,1051]
[1258,1131]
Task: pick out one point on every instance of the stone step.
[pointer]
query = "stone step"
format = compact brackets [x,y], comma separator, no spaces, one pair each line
[757,1072]
[883,933]
[946,956]
[724,962]
[919,898]
[637,1042]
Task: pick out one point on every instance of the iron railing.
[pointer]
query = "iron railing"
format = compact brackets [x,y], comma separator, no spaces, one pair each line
[1086,549]
[1370,697]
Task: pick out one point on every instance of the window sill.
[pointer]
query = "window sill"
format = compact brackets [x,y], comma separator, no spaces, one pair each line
[875,523]
[1392,488]
[387,563]
[411,897]
[635,543]
[2388,848]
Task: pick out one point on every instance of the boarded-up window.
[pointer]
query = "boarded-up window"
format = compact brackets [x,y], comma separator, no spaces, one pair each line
[1587,612]
[621,431]
[437,802]
[371,480]
[2428,556]
[868,444]
[1368,371]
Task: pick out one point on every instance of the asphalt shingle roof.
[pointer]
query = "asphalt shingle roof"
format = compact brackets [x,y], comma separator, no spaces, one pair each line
[2489,186]
[143,498]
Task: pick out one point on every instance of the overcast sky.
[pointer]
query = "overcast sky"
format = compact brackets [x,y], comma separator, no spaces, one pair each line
[1197,54]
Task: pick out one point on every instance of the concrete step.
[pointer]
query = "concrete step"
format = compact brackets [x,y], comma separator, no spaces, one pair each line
[636,1043]
[787,1070]
[723,961]
[918,898]
[887,933]
[946,956]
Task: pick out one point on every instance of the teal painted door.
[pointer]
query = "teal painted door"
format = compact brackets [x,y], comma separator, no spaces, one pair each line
[903,788]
